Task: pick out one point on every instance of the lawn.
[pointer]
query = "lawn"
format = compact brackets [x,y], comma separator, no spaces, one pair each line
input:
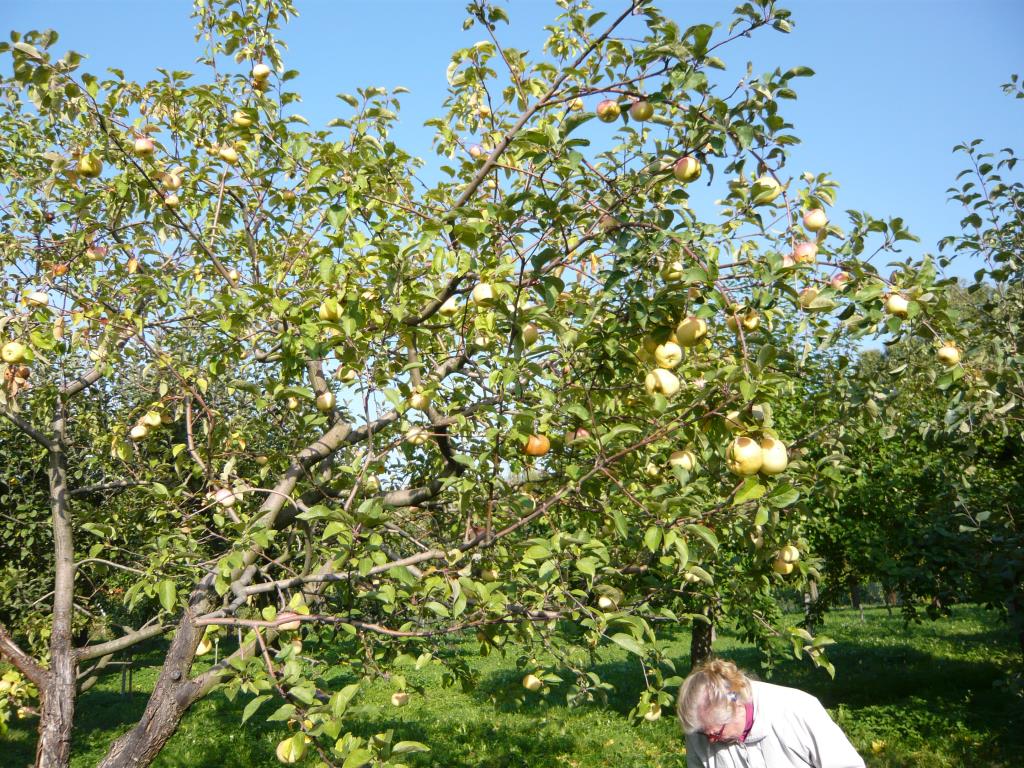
[928,694]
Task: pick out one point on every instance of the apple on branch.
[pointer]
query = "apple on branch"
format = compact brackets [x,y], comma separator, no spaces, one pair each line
[691,331]
[743,457]
[815,219]
[641,110]
[948,354]
[661,382]
[608,110]
[686,168]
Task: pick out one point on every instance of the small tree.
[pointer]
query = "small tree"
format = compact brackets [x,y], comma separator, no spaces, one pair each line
[334,403]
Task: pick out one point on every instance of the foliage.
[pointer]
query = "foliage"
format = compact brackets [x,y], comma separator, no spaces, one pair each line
[272,357]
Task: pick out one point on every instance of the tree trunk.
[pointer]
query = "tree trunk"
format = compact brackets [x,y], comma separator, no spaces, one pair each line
[701,638]
[58,697]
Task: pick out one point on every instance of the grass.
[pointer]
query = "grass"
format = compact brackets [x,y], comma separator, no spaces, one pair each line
[929,694]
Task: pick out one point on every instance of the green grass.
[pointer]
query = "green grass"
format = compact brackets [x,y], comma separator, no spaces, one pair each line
[930,694]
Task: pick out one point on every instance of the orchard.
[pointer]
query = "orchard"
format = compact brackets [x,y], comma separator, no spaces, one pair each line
[269,387]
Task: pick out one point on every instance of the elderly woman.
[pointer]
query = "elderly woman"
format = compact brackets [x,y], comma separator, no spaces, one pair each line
[732,721]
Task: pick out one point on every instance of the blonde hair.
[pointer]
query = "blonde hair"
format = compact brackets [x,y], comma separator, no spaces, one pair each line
[709,694]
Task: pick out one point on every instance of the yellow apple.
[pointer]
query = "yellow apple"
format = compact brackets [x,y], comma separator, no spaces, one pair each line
[896,305]
[399,699]
[691,331]
[774,457]
[686,168]
[171,180]
[789,554]
[152,419]
[685,459]
[171,201]
[419,401]
[815,219]
[532,683]
[417,435]
[143,146]
[743,457]
[449,307]
[807,296]
[668,355]
[260,72]
[653,712]
[225,497]
[292,402]
[325,402]
[346,375]
[766,189]
[139,432]
[672,271]
[228,154]
[948,354]
[608,111]
[782,567]
[241,119]
[292,749]
[661,381]
[329,310]
[576,105]
[530,334]
[483,295]
[205,646]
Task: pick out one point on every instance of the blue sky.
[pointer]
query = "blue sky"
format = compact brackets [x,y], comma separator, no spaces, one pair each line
[898,83]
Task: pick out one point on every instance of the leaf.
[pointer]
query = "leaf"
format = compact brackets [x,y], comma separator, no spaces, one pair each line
[653,537]
[704,533]
[252,706]
[783,496]
[405,747]
[28,50]
[628,642]
[750,490]
[168,594]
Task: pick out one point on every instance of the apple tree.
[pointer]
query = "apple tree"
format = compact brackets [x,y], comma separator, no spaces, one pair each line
[303,392]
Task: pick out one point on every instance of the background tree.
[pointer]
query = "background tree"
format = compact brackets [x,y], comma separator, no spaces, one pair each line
[320,403]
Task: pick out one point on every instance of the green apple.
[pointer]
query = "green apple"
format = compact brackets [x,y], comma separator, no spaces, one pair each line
[691,331]
[782,567]
[419,400]
[608,111]
[686,168]
[228,154]
[530,334]
[346,375]
[89,166]
[766,189]
[661,381]
[152,419]
[292,749]
[653,712]
[668,355]
[672,272]
[743,457]
[606,603]
[329,310]
[139,432]
[774,457]
[225,497]
[417,435]
[241,119]
[449,307]
[483,295]
[641,110]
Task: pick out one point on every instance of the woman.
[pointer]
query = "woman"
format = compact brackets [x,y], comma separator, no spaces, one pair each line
[732,721]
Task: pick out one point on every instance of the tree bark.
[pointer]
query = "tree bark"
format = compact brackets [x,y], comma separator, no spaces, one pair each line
[701,639]
[58,696]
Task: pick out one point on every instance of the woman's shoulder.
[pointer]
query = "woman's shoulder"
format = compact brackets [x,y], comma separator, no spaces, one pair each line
[770,691]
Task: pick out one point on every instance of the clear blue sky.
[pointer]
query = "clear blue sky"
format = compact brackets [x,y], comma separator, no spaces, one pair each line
[898,83]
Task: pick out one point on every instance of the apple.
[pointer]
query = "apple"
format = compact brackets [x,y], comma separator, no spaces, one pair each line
[781,566]
[139,432]
[537,445]
[668,355]
[532,683]
[789,554]
[205,646]
[608,110]
[691,331]
[228,154]
[152,419]
[653,712]
[530,334]
[661,381]
[788,261]
[292,402]
[262,460]
[59,269]
[89,166]
[483,111]
[241,119]
[896,305]
[483,294]
[685,459]
[815,219]
[476,151]
[225,497]
[36,299]
[325,402]
[234,276]
[576,105]
[449,307]
[774,458]
[839,280]
[805,252]
[260,72]
[948,354]
[766,189]
[329,310]
[743,457]
[672,271]
[749,319]
[807,296]
[171,201]
[143,146]
[132,265]
[399,699]
[641,110]
[686,168]
[605,603]
[582,433]
[346,375]
[419,401]
[171,180]
[651,470]
[291,750]
[691,578]
[417,435]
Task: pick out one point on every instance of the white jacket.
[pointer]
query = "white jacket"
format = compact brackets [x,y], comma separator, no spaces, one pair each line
[791,730]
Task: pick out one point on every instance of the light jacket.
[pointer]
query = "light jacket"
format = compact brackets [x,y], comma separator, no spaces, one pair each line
[791,730]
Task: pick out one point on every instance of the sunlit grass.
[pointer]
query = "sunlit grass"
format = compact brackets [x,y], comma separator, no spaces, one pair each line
[929,694]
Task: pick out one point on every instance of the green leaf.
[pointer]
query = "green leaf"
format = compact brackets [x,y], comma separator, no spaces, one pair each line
[783,495]
[628,642]
[168,594]
[705,534]
[750,490]
[404,747]
[252,706]
[653,537]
